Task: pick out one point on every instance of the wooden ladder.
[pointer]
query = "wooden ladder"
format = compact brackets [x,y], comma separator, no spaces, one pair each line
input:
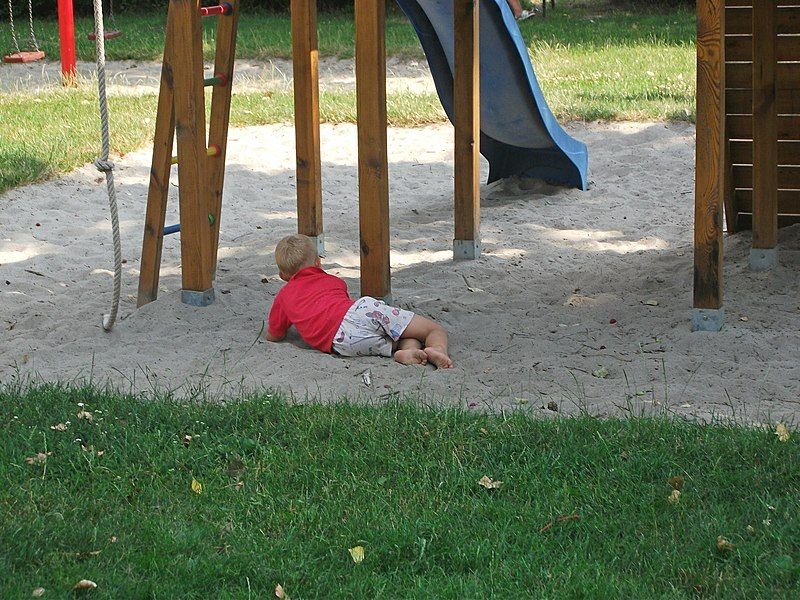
[201,163]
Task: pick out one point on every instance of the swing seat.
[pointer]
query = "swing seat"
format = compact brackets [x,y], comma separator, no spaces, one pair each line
[24,57]
[107,35]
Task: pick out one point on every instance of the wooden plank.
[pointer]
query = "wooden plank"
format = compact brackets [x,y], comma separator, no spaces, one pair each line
[740,76]
[373,164]
[745,221]
[742,153]
[190,128]
[739,20]
[739,48]
[466,94]
[305,57]
[740,102]
[158,190]
[765,136]
[788,177]
[710,170]
[219,119]
[788,201]
[740,127]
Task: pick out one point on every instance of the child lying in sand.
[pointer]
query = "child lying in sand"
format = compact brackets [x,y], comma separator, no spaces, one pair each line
[321,310]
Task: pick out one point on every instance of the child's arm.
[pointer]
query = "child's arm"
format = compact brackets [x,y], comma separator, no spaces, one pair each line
[278,322]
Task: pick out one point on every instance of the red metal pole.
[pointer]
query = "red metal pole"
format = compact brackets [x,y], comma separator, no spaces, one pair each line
[66,36]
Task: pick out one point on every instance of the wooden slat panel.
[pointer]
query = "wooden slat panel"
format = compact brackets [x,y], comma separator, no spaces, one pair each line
[742,153]
[740,76]
[788,177]
[740,20]
[740,127]
[740,102]
[740,48]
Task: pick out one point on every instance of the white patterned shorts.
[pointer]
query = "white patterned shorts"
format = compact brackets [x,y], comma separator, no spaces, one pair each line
[370,328]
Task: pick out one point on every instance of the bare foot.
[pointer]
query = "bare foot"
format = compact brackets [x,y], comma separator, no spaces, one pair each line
[411,356]
[438,358]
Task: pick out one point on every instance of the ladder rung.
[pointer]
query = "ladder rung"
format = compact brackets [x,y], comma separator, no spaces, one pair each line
[219,79]
[212,150]
[221,9]
[170,229]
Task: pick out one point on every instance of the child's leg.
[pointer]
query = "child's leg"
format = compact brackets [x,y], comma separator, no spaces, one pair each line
[433,338]
[409,352]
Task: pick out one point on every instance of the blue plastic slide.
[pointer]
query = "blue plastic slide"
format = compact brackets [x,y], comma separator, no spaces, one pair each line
[519,134]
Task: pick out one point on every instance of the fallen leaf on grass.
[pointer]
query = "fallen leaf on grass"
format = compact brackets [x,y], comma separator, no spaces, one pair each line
[59,427]
[782,432]
[674,497]
[38,592]
[723,545]
[84,584]
[357,553]
[489,483]
[600,373]
[751,530]
[561,519]
[676,483]
[38,459]
[197,487]
[187,439]
[279,593]
[521,400]
[86,416]
[239,485]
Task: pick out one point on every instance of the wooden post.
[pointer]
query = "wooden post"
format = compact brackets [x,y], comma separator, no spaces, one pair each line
[765,138]
[218,121]
[306,120]
[710,172]
[158,191]
[467,108]
[197,230]
[373,164]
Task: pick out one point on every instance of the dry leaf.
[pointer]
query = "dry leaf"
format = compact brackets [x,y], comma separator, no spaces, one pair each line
[39,459]
[239,485]
[600,373]
[197,487]
[676,482]
[651,302]
[86,415]
[484,431]
[782,432]
[674,497]
[552,406]
[279,593]
[24,359]
[59,427]
[114,539]
[624,455]
[489,483]
[84,584]
[357,553]
[38,592]
[744,318]
[751,530]
[723,545]
[521,400]
[187,439]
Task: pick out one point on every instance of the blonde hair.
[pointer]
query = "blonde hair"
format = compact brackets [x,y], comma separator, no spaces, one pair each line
[295,252]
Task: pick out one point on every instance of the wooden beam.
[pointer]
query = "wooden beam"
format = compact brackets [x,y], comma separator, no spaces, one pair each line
[220,116]
[196,228]
[765,133]
[373,164]
[305,58]
[467,107]
[158,190]
[710,170]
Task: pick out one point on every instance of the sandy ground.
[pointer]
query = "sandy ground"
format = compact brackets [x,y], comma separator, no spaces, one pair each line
[530,321]
[142,77]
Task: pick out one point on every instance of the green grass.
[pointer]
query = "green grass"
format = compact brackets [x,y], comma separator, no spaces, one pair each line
[609,65]
[399,480]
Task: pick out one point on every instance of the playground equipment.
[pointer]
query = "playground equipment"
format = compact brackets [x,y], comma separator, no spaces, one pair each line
[520,137]
[23,56]
[748,134]
[112,33]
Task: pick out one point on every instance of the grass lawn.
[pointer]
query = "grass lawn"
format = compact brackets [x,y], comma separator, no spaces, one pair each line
[591,63]
[287,490]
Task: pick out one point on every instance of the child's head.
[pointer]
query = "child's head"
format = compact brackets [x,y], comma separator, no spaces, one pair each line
[294,253]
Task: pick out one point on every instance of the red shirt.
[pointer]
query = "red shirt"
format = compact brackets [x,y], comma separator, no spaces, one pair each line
[315,303]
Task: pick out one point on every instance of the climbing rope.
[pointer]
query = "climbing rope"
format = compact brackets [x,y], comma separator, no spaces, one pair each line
[104,165]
